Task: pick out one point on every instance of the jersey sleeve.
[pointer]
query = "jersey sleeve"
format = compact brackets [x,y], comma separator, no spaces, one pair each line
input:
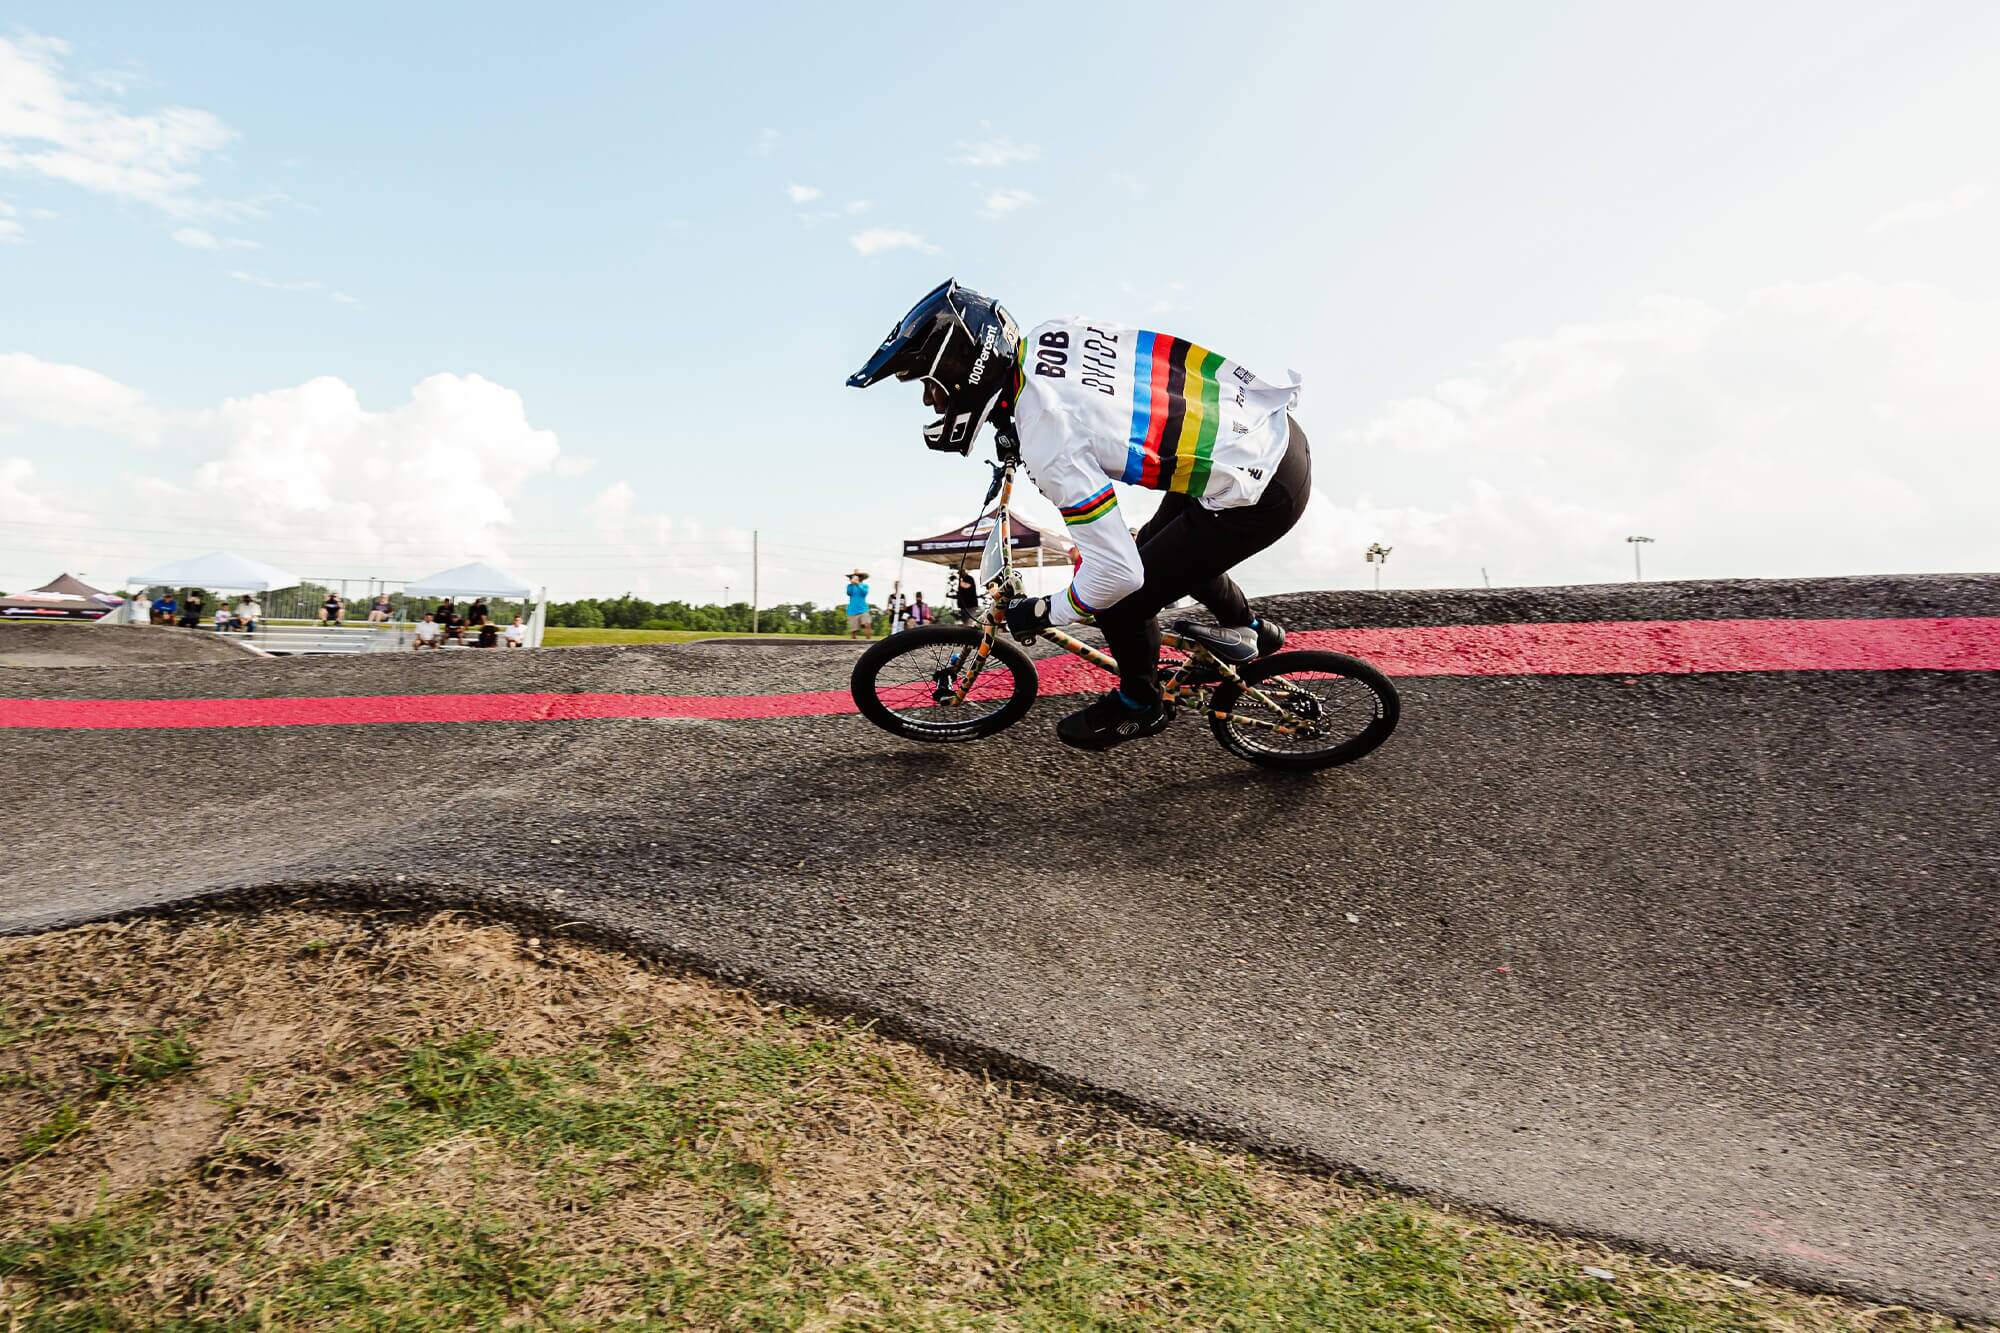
[1110,570]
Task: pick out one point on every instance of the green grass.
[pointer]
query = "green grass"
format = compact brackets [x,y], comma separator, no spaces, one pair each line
[563,636]
[507,1132]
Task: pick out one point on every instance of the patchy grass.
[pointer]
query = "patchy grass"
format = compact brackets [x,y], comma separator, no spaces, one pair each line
[562,636]
[327,1120]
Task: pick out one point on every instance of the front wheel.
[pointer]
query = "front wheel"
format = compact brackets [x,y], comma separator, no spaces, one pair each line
[911,684]
[1304,711]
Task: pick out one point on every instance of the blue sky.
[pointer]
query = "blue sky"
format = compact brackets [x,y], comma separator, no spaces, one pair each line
[1552,274]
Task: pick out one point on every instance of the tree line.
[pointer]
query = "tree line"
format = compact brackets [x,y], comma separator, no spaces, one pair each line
[629,612]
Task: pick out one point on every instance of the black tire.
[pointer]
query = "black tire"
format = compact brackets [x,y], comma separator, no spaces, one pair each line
[1370,708]
[923,652]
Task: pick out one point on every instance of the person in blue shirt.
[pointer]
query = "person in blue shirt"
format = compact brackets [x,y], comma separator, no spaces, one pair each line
[860,625]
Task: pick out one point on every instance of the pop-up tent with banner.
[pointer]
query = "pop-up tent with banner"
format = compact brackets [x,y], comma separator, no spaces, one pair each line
[1031,546]
[483,580]
[61,598]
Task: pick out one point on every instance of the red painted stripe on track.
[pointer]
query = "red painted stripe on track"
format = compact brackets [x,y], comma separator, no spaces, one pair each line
[1642,647]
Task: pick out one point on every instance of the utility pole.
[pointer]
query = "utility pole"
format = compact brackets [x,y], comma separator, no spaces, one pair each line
[1638,576]
[753,580]
[1484,578]
[1378,556]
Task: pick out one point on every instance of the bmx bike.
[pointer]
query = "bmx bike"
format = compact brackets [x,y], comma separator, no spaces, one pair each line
[1296,711]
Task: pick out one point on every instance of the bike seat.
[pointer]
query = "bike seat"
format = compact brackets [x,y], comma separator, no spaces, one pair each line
[1235,646]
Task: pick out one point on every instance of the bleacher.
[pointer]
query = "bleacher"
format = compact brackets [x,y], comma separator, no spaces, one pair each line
[287,640]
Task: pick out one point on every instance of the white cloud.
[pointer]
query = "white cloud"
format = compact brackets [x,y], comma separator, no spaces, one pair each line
[1837,427]
[200,238]
[765,143]
[857,206]
[12,232]
[20,501]
[999,203]
[569,465]
[1930,210]
[881,240]
[50,127]
[803,194]
[313,460]
[994,152]
[310,286]
[309,467]
[47,393]
[657,556]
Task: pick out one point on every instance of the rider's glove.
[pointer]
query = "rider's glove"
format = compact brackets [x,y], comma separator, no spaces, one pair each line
[1027,617]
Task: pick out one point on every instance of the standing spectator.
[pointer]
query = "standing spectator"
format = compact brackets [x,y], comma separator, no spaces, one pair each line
[448,618]
[191,608]
[517,633]
[139,611]
[248,611]
[430,634]
[892,611]
[966,594]
[167,609]
[477,615]
[860,624]
[382,611]
[919,614]
[331,609]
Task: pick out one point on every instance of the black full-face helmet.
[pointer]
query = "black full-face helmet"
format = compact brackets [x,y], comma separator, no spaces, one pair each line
[963,346]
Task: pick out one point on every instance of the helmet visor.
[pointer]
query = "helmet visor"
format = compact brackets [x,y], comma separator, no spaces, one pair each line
[905,344]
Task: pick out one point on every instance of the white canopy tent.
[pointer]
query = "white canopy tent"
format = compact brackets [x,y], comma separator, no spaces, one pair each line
[224,571]
[473,580]
[479,579]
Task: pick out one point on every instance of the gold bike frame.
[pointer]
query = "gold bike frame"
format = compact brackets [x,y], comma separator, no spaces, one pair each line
[1172,689]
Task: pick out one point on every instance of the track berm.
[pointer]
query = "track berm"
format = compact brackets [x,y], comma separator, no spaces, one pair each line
[1700,960]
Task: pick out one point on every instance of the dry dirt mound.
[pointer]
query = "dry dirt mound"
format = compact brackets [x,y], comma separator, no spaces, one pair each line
[76,644]
[312,1118]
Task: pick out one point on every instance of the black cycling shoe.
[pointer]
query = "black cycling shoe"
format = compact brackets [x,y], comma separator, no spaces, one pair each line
[1270,637]
[1111,721]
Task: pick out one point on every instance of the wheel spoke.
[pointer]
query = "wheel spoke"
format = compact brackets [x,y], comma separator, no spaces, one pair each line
[920,685]
[1302,711]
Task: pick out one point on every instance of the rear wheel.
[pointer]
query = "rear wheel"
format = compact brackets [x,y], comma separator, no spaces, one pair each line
[908,684]
[1303,711]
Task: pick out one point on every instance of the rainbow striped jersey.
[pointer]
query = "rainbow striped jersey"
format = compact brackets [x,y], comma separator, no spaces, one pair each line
[1100,403]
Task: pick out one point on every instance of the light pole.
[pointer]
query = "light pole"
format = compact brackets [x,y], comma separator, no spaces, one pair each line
[1378,556]
[1638,576]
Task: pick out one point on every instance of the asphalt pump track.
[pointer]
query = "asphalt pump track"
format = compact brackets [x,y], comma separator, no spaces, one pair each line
[1667,915]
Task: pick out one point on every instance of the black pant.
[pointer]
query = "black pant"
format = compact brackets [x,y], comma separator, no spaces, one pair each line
[1187,550]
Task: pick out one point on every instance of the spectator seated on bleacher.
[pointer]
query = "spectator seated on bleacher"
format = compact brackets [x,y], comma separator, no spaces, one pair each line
[430,634]
[489,634]
[517,634]
[330,610]
[382,611]
[248,612]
